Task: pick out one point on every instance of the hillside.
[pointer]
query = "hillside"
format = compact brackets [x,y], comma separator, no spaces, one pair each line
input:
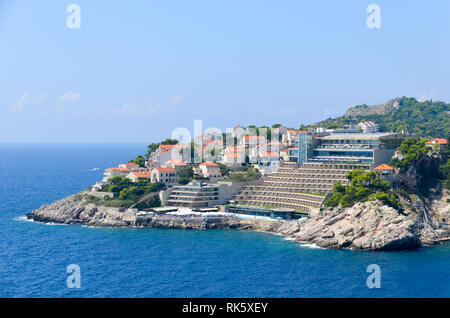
[425,119]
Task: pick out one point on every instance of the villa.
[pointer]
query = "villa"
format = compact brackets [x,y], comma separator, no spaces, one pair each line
[176,164]
[115,172]
[164,175]
[135,176]
[169,152]
[209,170]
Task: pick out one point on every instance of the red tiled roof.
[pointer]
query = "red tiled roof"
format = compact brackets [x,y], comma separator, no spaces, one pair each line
[131,164]
[440,141]
[269,154]
[233,155]
[165,169]
[142,174]
[117,169]
[384,166]
[234,149]
[292,131]
[208,163]
[177,162]
[169,147]
[254,138]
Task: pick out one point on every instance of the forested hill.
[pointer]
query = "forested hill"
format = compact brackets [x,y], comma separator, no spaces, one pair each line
[425,119]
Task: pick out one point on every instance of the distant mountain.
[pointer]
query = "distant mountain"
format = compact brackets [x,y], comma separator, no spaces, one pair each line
[425,119]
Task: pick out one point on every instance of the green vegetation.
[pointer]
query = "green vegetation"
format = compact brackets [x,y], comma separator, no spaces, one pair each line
[223,169]
[154,146]
[445,171]
[250,175]
[413,150]
[127,193]
[364,186]
[140,160]
[185,175]
[425,119]
[315,193]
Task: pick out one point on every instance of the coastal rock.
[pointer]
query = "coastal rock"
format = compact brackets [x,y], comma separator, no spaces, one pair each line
[364,226]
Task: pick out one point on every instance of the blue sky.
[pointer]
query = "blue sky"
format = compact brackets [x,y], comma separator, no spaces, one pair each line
[136,70]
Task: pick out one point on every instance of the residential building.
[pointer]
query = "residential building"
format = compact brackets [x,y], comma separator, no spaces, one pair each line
[176,164]
[438,141]
[166,175]
[291,138]
[268,162]
[131,166]
[385,172]
[209,170]
[115,172]
[135,176]
[252,141]
[169,152]
[368,127]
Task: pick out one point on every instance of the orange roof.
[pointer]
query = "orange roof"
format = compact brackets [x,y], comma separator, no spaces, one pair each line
[142,174]
[233,155]
[254,137]
[384,166]
[440,141]
[269,154]
[177,162]
[297,131]
[130,164]
[117,169]
[165,169]
[218,142]
[234,149]
[169,147]
[208,163]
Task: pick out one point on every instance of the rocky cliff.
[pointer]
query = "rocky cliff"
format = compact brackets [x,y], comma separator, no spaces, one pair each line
[364,226]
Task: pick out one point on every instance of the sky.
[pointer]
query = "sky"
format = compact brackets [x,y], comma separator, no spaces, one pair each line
[136,70]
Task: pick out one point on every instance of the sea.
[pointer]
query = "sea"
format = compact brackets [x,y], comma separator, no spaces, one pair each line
[38,260]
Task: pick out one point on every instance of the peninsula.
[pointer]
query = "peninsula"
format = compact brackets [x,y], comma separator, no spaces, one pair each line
[377,178]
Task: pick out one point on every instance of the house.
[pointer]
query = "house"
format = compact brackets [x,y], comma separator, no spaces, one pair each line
[252,141]
[130,166]
[291,138]
[237,132]
[176,164]
[209,170]
[385,172]
[115,172]
[233,156]
[135,176]
[166,175]
[268,162]
[368,127]
[438,141]
[233,159]
[169,152]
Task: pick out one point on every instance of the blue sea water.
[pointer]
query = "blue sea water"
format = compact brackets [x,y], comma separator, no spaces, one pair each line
[173,263]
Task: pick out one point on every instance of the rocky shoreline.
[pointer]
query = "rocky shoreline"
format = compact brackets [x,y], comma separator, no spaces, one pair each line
[368,226]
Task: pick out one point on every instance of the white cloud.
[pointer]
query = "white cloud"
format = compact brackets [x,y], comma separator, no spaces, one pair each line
[176,99]
[69,97]
[39,98]
[19,104]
